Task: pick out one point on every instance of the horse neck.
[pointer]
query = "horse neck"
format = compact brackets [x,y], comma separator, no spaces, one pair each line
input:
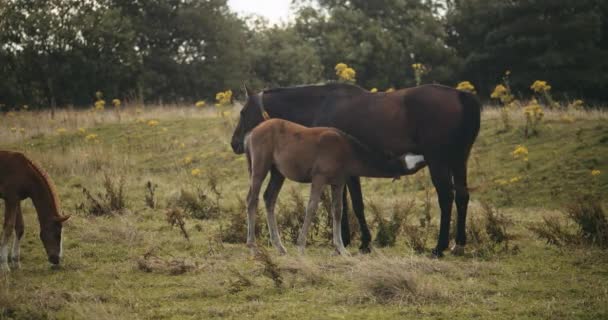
[298,108]
[44,198]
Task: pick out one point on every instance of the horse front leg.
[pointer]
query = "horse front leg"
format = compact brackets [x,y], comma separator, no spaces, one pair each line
[252,207]
[270,199]
[316,189]
[356,196]
[7,232]
[336,196]
[19,230]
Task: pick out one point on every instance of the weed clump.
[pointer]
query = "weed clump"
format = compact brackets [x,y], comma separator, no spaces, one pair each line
[152,263]
[175,217]
[111,201]
[149,196]
[586,215]
[389,229]
[489,233]
[271,269]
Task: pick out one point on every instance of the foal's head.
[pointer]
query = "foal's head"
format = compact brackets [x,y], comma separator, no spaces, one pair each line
[251,116]
[50,234]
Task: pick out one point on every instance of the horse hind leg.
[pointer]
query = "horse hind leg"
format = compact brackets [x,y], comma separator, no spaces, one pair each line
[270,199]
[442,180]
[7,232]
[459,172]
[336,195]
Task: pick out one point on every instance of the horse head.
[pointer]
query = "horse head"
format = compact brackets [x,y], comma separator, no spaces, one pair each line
[251,115]
[50,234]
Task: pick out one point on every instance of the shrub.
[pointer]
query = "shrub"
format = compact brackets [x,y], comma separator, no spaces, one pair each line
[111,201]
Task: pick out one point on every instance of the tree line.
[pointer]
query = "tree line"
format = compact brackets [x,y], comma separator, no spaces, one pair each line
[61,52]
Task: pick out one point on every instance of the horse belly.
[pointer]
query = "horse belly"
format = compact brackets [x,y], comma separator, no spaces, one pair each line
[293,167]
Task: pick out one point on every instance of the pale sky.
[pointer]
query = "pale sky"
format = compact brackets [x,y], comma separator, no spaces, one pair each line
[274,10]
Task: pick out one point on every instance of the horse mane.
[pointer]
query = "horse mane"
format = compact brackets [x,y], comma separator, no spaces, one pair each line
[374,158]
[331,86]
[47,182]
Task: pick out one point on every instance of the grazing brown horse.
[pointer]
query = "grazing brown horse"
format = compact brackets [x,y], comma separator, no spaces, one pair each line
[320,156]
[440,123]
[20,178]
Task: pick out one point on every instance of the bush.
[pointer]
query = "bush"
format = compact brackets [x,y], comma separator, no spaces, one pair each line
[588,220]
[111,201]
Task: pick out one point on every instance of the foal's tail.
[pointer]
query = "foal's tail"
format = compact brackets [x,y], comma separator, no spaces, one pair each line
[471,121]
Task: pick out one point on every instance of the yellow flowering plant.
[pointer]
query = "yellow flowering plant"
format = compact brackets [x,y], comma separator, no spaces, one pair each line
[200,104]
[542,88]
[153,123]
[419,71]
[466,86]
[345,73]
[502,92]
[116,103]
[373,90]
[534,115]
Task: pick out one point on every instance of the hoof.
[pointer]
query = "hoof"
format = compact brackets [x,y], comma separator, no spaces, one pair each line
[282,251]
[4,268]
[457,250]
[436,253]
[365,250]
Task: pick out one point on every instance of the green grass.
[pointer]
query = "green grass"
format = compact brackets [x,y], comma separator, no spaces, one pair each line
[100,278]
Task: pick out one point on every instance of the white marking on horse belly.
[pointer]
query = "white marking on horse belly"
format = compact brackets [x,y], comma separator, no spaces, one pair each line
[411,160]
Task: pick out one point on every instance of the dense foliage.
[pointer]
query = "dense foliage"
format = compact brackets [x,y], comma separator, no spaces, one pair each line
[61,52]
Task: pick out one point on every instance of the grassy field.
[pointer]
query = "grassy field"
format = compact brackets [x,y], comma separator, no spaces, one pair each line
[133,264]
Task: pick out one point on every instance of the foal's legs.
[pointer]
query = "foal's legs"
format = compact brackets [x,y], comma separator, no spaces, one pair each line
[19,228]
[459,171]
[7,231]
[258,174]
[316,188]
[442,180]
[336,196]
[270,199]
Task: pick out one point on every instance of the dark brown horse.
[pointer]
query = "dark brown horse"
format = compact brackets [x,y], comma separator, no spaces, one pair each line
[438,122]
[320,156]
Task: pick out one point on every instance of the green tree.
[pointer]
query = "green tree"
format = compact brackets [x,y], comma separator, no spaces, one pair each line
[563,42]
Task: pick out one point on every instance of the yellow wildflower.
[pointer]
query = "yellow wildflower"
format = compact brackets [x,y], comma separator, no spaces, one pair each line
[116,103]
[61,130]
[466,86]
[13,129]
[100,105]
[182,145]
[99,95]
[501,182]
[595,172]
[499,91]
[576,105]
[540,86]
[374,90]
[224,98]
[345,73]
[188,160]
[520,152]
[91,137]
[200,104]
[82,130]
[152,123]
[391,89]
[195,172]
[515,179]
[25,107]
[508,72]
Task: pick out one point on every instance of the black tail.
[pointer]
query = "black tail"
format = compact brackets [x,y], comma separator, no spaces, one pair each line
[471,120]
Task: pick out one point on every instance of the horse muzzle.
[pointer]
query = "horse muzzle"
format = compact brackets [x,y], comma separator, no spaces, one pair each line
[237,147]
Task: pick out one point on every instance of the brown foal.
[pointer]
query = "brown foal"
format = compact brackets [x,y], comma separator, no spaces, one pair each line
[20,178]
[321,156]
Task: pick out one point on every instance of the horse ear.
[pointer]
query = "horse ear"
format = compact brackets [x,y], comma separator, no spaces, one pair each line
[248,91]
[62,219]
[244,87]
